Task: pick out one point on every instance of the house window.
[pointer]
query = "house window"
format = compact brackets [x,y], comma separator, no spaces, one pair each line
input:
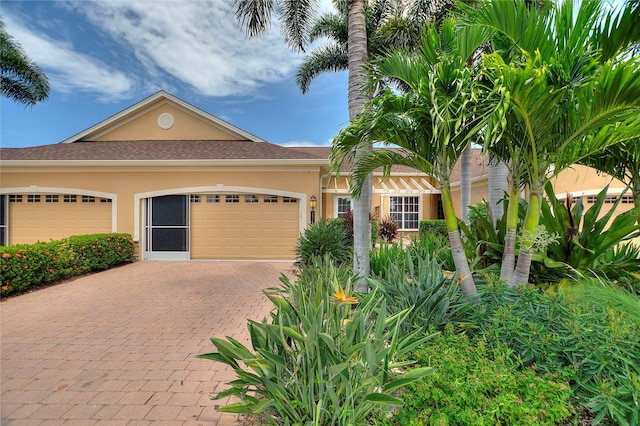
[404,211]
[250,198]
[105,200]
[15,198]
[88,199]
[591,199]
[195,199]
[343,205]
[289,200]
[270,198]
[627,199]
[211,198]
[231,198]
[51,198]
[69,198]
[610,199]
[33,198]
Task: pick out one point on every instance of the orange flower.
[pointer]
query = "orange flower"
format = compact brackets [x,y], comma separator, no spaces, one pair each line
[6,255]
[5,287]
[340,297]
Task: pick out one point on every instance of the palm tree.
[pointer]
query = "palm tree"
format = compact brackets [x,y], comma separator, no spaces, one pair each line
[430,124]
[565,105]
[296,18]
[20,78]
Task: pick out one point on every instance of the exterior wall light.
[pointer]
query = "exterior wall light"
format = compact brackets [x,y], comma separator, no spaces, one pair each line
[313,202]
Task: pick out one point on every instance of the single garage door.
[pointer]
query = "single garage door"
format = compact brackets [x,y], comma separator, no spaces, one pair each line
[44,217]
[243,226]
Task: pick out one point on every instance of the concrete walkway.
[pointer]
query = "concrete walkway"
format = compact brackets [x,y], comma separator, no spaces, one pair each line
[119,347]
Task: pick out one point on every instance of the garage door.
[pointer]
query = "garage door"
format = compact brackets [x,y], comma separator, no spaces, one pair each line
[43,217]
[243,226]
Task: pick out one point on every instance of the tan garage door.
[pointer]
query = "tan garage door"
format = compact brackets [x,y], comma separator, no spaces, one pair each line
[243,226]
[44,217]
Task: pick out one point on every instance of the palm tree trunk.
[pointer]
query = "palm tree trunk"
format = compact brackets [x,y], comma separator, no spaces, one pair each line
[509,254]
[467,284]
[498,186]
[357,51]
[465,181]
[531,221]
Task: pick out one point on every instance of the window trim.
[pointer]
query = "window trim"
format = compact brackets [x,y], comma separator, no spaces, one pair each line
[403,213]
[336,204]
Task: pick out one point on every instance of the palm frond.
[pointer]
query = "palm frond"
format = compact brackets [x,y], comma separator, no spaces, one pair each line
[329,58]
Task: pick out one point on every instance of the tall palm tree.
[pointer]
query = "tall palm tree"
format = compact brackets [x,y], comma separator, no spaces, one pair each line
[20,78]
[296,18]
[565,105]
[430,124]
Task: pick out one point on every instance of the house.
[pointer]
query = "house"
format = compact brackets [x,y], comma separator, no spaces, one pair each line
[186,185]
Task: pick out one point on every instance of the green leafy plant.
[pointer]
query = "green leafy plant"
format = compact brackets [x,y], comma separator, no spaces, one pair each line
[385,254]
[320,358]
[388,230]
[475,384]
[436,246]
[324,240]
[588,331]
[589,239]
[418,287]
[433,227]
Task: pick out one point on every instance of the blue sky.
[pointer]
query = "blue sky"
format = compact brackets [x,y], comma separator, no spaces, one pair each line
[103,56]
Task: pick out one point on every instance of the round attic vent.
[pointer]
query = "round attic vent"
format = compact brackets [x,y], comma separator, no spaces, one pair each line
[165,120]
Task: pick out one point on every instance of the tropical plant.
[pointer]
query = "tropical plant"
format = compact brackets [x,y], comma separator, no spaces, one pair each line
[324,240]
[564,103]
[433,227]
[418,286]
[586,330]
[296,18]
[475,384]
[586,239]
[433,245]
[429,124]
[387,230]
[385,254]
[320,359]
[21,79]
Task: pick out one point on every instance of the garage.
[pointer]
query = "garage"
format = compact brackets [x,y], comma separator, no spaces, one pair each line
[243,226]
[44,217]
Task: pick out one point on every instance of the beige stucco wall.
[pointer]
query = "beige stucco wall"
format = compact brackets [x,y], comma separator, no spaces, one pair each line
[186,127]
[126,182]
[479,193]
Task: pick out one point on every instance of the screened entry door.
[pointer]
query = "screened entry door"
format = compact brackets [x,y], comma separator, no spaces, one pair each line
[167,228]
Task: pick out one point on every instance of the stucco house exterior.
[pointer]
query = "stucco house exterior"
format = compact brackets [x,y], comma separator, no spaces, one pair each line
[186,185]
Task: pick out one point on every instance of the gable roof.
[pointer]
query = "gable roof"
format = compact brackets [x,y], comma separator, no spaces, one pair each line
[124,116]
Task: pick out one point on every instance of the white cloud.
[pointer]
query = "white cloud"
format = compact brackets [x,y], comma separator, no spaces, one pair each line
[309,144]
[67,69]
[197,42]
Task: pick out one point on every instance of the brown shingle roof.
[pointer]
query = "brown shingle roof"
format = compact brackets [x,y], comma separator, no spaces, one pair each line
[155,150]
[323,152]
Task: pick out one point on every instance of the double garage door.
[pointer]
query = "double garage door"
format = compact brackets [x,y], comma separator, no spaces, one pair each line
[221,226]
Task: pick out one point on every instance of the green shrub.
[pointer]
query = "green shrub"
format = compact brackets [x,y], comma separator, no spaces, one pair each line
[432,226]
[388,230]
[477,385]
[418,286]
[324,239]
[436,246]
[24,265]
[385,254]
[589,329]
[320,359]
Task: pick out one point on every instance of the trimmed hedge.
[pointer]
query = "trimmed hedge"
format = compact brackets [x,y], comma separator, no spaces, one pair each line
[433,226]
[24,265]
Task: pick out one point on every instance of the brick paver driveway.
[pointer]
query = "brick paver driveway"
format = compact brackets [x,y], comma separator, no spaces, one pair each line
[118,347]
